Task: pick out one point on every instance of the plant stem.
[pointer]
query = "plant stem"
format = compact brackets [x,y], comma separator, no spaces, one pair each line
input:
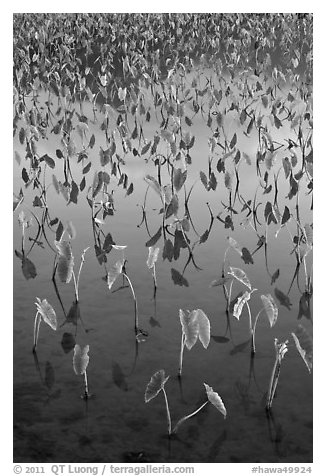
[37,323]
[86,384]
[272,384]
[82,260]
[76,287]
[229,295]
[175,429]
[253,332]
[135,303]
[167,411]
[181,353]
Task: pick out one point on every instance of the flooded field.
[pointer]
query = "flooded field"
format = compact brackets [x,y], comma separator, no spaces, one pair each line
[162,228]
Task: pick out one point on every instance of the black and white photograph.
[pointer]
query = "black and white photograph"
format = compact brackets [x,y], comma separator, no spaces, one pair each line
[162,241]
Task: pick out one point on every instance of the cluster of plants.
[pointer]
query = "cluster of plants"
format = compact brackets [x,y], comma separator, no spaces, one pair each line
[94,83]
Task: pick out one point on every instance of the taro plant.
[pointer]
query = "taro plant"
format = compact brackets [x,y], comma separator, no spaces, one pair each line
[46,313]
[194,324]
[119,268]
[151,260]
[280,351]
[156,385]
[80,363]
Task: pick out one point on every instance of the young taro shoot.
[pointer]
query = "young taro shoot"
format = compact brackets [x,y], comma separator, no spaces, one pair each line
[194,324]
[155,385]
[46,312]
[80,363]
[151,260]
[280,351]
[213,398]
[113,273]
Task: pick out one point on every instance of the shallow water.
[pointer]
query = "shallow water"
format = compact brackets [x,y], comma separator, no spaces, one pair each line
[53,424]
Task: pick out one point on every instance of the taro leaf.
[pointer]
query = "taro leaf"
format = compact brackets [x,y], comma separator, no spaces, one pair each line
[220,339]
[153,240]
[74,313]
[49,375]
[168,250]
[47,312]
[153,183]
[167,193]
[275,276]
[28,268]
[130,189]
[100,254]
[190,327]
[155,385]
[59,231]
[215,399]
[283,299]
[178,279]
[74,192]
[269,213]
[270,308]
[113,273]
[240,276]
[48,160]
[219,282]
[152,256]
[234,244]
[55,184]
[204,237]
[240,347]
[66,260]
[108,242]
[119,377]
[233,141]
[80,359]
[179,178]
[71,230]
[304,306]
[179,242]
[309,234]
[286,215]
[203,179]
[204,328]
[246,256]
[237,310]
[303,343]
[173,207]
[234,301]
[228,223]
[82,184]
[68,342]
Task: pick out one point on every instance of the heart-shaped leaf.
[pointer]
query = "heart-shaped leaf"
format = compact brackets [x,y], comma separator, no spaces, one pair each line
[240,276]
[270,308]
[80,359]
[113,273]
[204,329]
[155,385]
[303,343]
[47,312]
[190,327]
[152,256]
[237,310]
[215,399]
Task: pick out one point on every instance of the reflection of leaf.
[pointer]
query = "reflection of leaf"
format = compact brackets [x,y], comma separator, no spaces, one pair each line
[49,375]
[68,342]
[215,400]
[240,276]
[246,256]
[179,178]
[155,385]
[304,306]
[269,213]
[113,273]
[28,268]
[74,313]
[219,282]
[119,377]
[220,339]
[240,347]
[154,322]
[303,343]
[80,359]
[234,244]
[153,240]
[168,250]
[283,299]
[275,276]
[153,183]
[270,308]
[204,237]
[66,260]
[173,207]
[178,278]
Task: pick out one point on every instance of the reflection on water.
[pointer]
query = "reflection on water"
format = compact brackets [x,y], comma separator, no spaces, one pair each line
[215,178]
